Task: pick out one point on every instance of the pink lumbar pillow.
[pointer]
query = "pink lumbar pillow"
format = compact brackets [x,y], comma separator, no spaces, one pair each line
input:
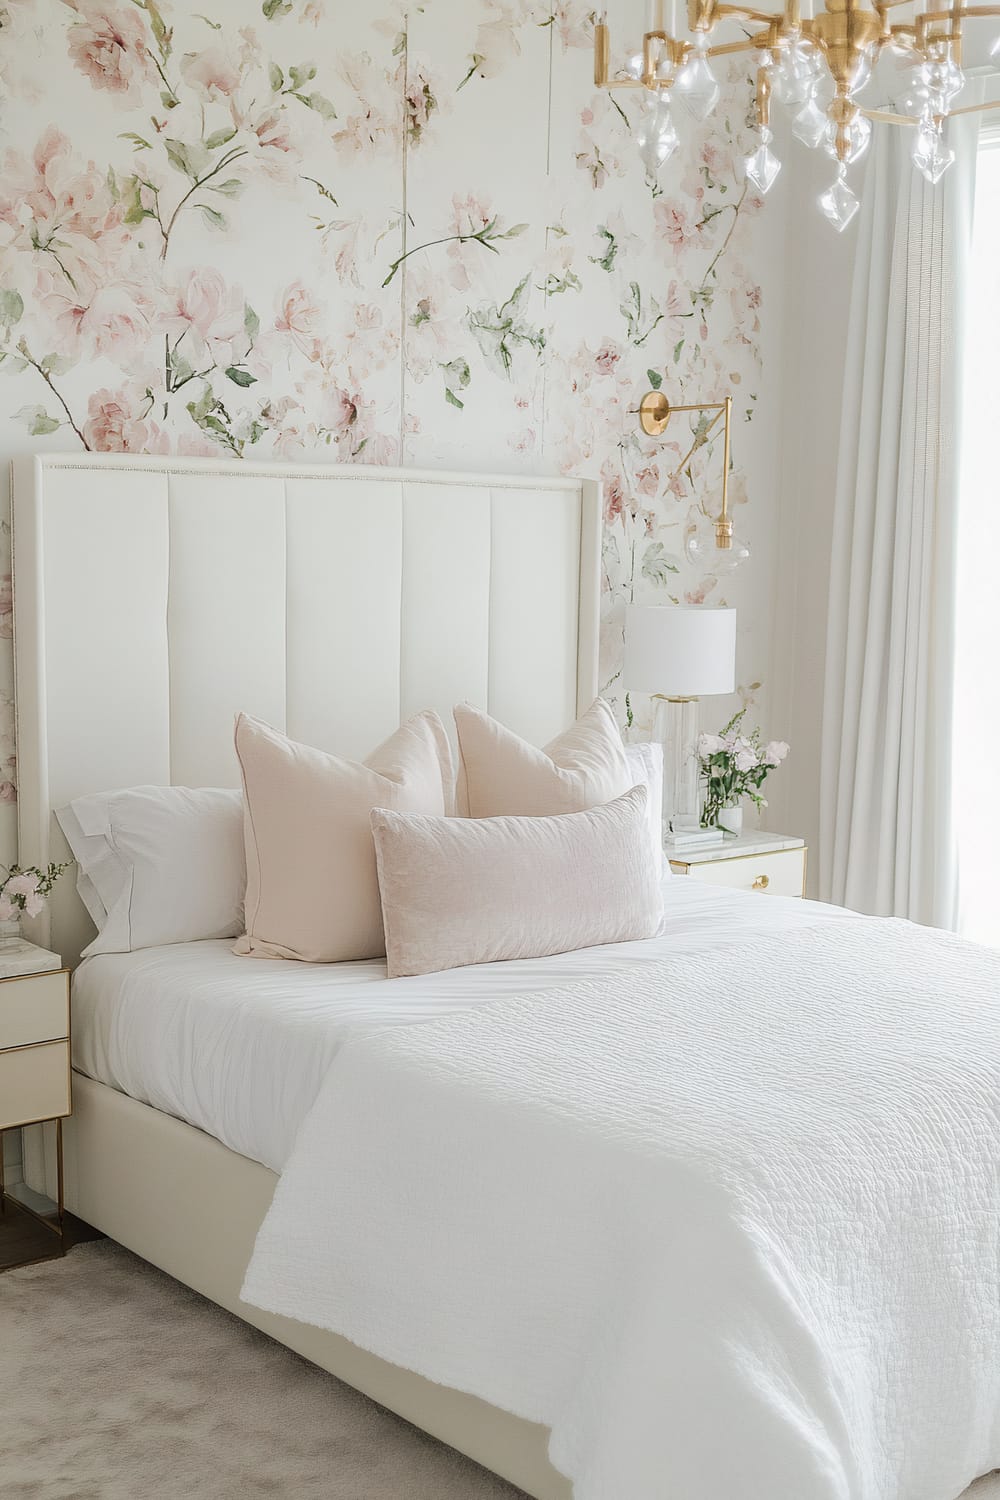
[459,891]
[312,887]
[500,773]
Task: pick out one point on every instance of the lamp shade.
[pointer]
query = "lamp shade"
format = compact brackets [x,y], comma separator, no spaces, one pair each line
[679,650]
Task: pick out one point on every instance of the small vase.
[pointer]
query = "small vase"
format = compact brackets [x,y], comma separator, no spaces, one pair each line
[731,819]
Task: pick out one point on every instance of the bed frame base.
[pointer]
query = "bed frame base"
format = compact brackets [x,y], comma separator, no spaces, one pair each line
[186,1203]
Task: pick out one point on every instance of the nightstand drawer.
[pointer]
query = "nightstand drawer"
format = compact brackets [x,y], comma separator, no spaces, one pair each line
[33,1008]
[779,874]
[34,1084]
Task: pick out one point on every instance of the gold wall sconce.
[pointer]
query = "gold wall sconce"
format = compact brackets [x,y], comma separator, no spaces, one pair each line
[712,546]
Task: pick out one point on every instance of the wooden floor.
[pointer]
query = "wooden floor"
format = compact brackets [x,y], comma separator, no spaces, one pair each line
[24,1240]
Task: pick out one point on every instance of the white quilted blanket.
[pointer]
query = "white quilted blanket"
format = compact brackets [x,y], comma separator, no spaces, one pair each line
[730,1226]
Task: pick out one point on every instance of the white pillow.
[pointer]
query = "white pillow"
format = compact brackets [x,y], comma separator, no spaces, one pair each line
[645,759]
[459,891]
[158,864]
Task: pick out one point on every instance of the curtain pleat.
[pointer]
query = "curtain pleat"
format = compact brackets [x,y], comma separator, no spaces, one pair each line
[885,786]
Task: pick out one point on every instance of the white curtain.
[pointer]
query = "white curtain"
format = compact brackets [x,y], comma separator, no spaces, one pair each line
[886,840]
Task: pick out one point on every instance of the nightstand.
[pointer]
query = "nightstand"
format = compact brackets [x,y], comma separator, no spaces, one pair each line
[34,1059]
[767,862]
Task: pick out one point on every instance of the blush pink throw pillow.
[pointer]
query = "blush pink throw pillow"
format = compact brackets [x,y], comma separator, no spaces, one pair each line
[501,773]
[312,888]
[459,891]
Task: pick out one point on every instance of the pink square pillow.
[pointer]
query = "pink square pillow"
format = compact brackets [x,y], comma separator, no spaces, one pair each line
[312,888]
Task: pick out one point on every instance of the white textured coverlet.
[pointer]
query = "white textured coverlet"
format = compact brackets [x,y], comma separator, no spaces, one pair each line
[727,1225]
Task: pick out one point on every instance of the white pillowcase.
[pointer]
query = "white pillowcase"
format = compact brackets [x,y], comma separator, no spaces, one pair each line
[645,759]
[459,891]
[158,864]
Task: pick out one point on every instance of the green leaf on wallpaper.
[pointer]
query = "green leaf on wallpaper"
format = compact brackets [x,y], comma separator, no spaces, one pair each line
[180,368]
[191,160]
[607,260]
[11,306]
[320,103]
[569,281]
[40,424]
[452,399]
[139,142]
[212,217]
[215,25]
[56,364]
[399,45]
[240,377]
[276,77]
[157,23]
[132,201]
[511,233]
[12,364]
[251,323]
[658,564]
[168,100]
[231,188]
[299,76]
[457,373]
[677,349]
[219,137]
[323,191]
[655,379]
[476,60]
[273,8]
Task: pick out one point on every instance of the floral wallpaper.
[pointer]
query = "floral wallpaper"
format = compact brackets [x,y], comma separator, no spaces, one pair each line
[384,233]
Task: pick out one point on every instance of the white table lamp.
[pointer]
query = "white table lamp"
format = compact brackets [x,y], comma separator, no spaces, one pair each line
[679,653]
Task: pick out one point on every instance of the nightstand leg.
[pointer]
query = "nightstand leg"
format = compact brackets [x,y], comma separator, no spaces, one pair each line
[59,1177]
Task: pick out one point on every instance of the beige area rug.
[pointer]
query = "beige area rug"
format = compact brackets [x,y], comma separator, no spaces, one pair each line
[117,1383]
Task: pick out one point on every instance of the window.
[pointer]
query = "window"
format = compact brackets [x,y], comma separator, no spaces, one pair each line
[977,677]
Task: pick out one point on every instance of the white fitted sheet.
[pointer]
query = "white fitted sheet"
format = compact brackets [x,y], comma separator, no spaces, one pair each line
[240,1046]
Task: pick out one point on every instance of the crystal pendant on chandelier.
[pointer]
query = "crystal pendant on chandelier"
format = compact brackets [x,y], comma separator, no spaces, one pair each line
[655,134]
[931,156]
[762,166]
[796,74]
[695,82]
[839,204]
[941,77]
[859,134]
[810,125]
[705,553]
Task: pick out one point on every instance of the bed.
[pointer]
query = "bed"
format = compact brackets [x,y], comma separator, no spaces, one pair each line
[756,1193]
[331,602]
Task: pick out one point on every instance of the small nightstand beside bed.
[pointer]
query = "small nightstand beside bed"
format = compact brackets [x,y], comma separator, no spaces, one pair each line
[668,1216]
[35,1077]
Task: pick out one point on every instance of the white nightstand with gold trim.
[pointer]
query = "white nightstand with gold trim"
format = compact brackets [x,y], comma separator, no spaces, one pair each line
[34,1049]
[768,862]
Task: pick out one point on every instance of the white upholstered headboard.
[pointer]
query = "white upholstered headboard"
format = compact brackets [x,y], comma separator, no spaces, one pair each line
[155,597]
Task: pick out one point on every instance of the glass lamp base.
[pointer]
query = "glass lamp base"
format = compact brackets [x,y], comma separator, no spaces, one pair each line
[675,724]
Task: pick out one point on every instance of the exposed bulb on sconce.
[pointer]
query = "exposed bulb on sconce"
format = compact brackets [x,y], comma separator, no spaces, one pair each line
[941,77]
[839,204]
[695,83]
[762,166]
[712,547]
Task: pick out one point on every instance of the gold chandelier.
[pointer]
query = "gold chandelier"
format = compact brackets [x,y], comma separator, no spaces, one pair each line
[815,66]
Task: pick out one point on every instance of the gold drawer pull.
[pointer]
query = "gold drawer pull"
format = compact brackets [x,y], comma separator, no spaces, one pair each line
[761,883]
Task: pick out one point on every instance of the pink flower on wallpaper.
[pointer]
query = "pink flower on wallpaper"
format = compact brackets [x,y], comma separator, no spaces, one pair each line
[607,357]
[108,45]
[272,143]
[114,425]
[675,225]
[110,321]
[208,310]
[302,318]
[53,194]
[212,73]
